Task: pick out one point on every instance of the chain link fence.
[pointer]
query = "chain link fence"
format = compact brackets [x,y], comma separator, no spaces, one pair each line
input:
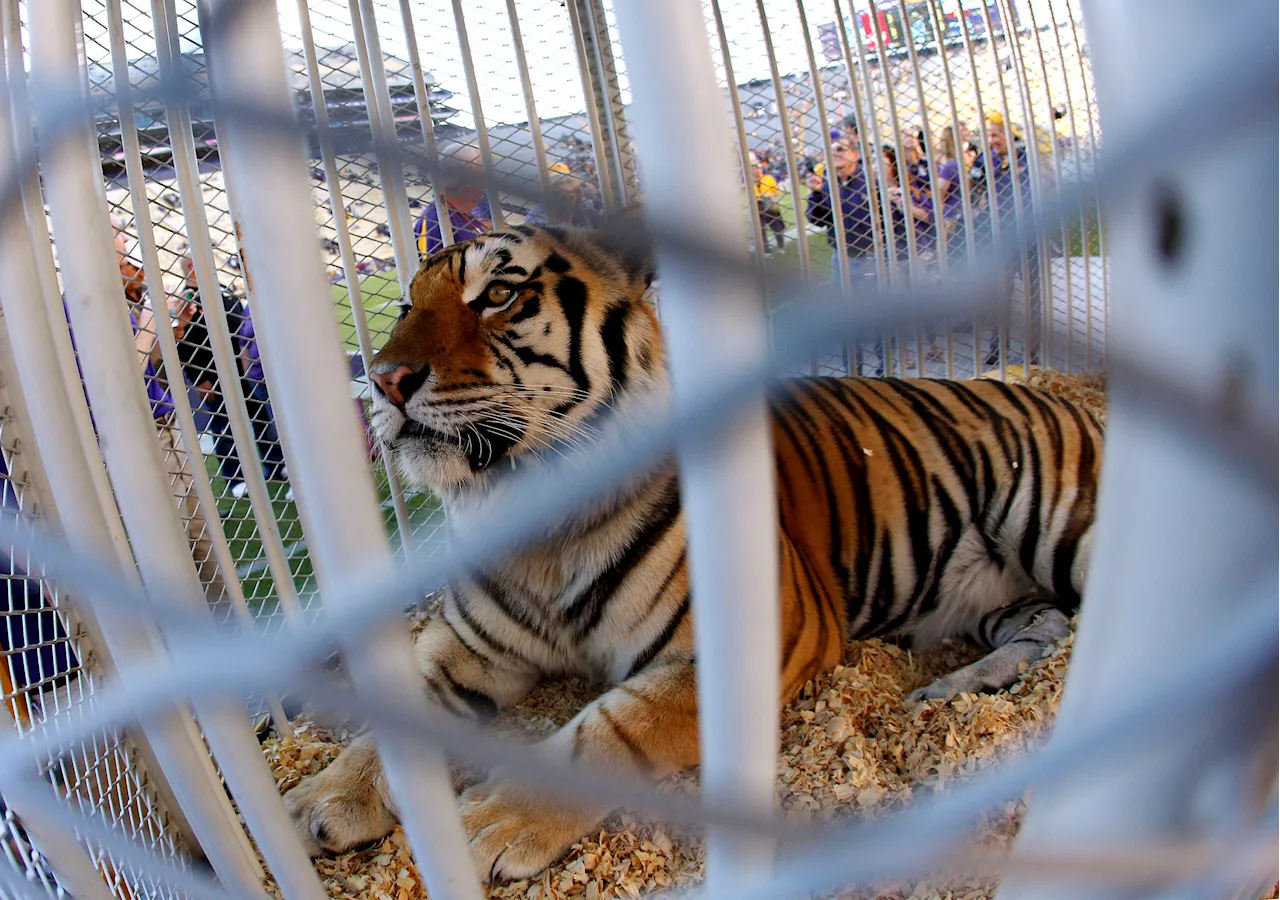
[882,143]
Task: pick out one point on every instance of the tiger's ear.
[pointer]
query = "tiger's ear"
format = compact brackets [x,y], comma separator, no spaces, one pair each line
[624,237]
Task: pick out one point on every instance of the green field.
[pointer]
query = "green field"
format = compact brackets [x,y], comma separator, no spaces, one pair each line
[380,293]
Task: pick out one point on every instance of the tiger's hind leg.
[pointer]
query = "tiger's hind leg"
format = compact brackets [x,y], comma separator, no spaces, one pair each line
[1017,634]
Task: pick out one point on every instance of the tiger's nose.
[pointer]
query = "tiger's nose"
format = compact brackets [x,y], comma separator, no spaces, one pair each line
[399,383]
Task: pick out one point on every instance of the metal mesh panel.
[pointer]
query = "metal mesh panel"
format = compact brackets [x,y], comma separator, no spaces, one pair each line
[47,667]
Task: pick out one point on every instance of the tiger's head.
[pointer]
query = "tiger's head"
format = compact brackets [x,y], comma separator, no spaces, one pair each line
[509,347]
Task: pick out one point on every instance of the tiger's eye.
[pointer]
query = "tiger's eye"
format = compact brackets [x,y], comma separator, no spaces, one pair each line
[500,294]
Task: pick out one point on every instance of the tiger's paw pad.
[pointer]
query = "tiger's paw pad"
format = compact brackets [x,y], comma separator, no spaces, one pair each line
[331,816]
[515,835]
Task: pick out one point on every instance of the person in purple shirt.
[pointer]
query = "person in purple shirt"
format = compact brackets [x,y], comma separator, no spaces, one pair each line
[178,460]
[464,195]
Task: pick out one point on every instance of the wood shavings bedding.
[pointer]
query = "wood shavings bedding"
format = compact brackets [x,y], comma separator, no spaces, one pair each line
[852,747]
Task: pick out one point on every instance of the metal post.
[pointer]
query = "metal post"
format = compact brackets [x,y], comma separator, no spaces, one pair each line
[164,334]
[69,861]
[1185,537]
[604,72]
[337,499]
[477,113]
[727,485]
[603,175]
[423,100]
[531,108]
[97,305]
[95,298]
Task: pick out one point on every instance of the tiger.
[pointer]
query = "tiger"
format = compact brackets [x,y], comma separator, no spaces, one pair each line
[917,509]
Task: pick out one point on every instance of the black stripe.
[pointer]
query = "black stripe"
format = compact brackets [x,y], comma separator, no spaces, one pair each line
[480,703]
[446,700]
[614,335]
[954,524]
[638,756]
[510,607]
[572,294]
[557,263]
[586,611]
[527,310]
[480,631]
[648,653]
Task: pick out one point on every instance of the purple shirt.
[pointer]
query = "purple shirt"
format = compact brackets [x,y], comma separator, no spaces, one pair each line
[249,344]
[466,225]
[952,204]
[157,393]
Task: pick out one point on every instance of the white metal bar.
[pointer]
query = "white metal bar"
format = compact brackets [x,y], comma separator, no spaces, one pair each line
[993,199]
[97,304]
[382,123]
[1001,329]
[727,485]
[598,31]
[966,199]
[337,205]
[1033,190]
[477,112]
[68,859]
[788,148]
[531,108]
[1046,276]
[33,203]
[758,238]
[833,177]
[1093,146]
[336,499]
[164,327]
[589,96]
[1184,535]
[133,455]
[423,100]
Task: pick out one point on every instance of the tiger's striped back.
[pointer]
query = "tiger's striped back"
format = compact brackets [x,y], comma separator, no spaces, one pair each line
[922,504]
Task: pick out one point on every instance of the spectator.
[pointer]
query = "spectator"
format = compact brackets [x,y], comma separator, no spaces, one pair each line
[195,351]
[850,180]
[768,202]
[949,187]
[462,188]
[855,208]
[177,458]
[568,203]
[1011,180]
[912,205]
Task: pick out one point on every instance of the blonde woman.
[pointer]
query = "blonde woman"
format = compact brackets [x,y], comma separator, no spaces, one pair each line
[950,183]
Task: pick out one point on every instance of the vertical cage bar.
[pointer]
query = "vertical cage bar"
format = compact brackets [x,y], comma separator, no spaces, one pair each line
[1046,276]
[603,179]
[336,499]
[355,293]
[423,100]
[95,298]
[47,278]
[979,354]
[59,418]
[70,862]
[164,334]
[1186,537]
[758,238]
[1102,260]
[477,113]
[531,108]
[601,63]
[733,556]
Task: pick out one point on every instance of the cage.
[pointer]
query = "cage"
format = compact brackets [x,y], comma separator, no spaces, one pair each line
[189,551]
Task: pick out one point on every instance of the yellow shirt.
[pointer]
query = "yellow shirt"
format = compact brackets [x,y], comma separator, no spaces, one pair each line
[767,187]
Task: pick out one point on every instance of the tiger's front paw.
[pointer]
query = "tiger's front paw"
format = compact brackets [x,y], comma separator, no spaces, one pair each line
[515,834]
[341,807]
